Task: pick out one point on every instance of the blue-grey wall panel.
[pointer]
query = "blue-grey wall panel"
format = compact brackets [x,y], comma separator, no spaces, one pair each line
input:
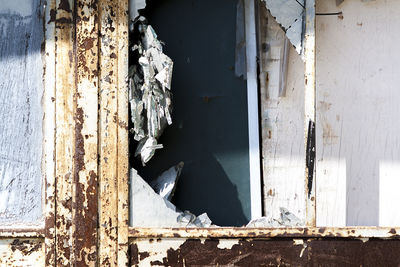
[21,91]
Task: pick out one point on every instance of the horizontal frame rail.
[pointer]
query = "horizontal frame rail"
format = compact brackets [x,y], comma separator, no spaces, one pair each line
[238,232]
[22,232]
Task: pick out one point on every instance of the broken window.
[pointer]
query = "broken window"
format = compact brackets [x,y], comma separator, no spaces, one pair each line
[207,161]
[207,144]
[310,171]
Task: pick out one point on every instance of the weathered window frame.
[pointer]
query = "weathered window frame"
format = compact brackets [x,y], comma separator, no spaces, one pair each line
[86,146]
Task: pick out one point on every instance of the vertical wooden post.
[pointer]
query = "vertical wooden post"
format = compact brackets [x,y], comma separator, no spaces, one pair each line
[49,131]
[76,131]
[123,142]
[113,130]
[309,110]
[65,128]
[85,200]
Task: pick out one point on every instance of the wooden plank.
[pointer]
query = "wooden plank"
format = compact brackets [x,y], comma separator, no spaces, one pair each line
[281,123]
[309,111]
[358,141]
[65,129]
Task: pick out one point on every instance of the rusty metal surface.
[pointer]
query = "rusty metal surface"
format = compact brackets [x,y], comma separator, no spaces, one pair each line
[22,252]
[21,232]
[84,205]
[113,122]
[264,252]
[235,232]
[123,141]
[76,131]
[108,233]
[65,127]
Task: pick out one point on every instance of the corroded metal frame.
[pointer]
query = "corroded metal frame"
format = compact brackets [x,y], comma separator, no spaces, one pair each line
[262,233]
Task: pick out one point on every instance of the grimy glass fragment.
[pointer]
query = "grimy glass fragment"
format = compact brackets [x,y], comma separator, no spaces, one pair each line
[290,15]
[150,77]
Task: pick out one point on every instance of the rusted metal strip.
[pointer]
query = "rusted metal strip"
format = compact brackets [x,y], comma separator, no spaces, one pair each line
[232,232]
[309,111]
[123,142]
[261,252]
[65,127]
[108,184]
[85,202]
[49,131]
[21,232]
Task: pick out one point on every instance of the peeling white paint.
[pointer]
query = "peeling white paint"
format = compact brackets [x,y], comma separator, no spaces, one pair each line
[157,250]
[227,243]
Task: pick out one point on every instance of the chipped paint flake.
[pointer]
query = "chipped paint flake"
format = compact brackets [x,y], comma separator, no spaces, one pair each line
[22,252]
[227,243]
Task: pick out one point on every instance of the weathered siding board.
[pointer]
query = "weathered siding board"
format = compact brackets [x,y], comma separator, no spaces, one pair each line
[259,252]
[22,252]
[282,126]
[21,112]
[358,153]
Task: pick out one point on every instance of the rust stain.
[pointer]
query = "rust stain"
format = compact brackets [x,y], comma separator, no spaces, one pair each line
[271,192]
[243,232]
[26,247]
[273,252]
[64,5]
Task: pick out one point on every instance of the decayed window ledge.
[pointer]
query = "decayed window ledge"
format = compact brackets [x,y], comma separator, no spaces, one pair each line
[22,232]
[241,232]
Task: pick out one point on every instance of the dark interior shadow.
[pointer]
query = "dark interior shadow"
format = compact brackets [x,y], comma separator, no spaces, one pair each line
[210,130]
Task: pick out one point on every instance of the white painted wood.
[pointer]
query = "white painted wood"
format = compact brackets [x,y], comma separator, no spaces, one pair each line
[358,137]
[21,92]
[309,110]
[253,118]
[282,125]
[22,252]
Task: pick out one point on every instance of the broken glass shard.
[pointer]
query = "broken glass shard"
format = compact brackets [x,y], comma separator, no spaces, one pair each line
[290,15]
[150,76]
[165,184]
